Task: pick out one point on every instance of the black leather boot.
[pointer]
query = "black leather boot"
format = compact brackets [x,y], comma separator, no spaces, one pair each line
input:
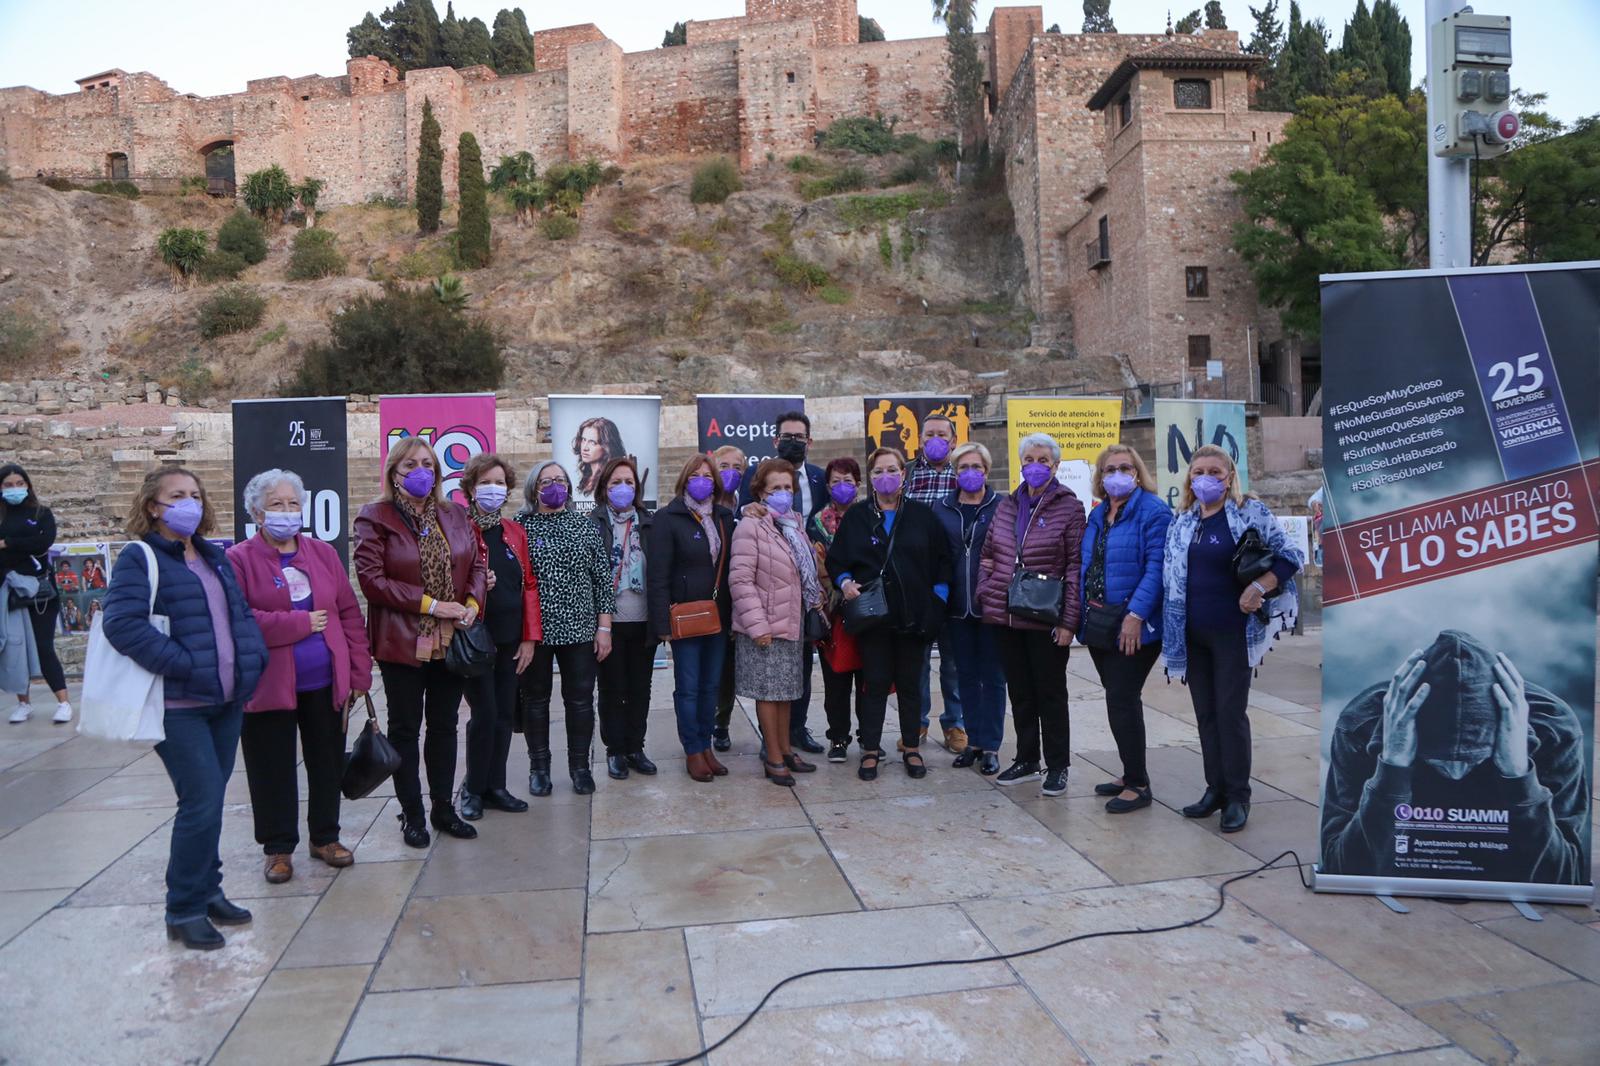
[197,933]
[1210,802]
[471,806]
[539,773]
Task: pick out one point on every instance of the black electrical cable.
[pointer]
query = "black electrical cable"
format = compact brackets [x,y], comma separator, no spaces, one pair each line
[1222,901]
[1472,208]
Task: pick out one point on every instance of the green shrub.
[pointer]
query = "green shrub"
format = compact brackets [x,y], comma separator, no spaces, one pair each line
[193,183]
[268,192]
[858,212]
[397,342]
[232,310]
[59,184]
[847,179]
[512,170]
[125,189]
[806,164]
[427,262]
[558,227]
[183,250]
[316,255]
[865,136]
[833,294]
[194,380]
[714,181]
[219,265]
[885,246]
[244,236]
[797,273]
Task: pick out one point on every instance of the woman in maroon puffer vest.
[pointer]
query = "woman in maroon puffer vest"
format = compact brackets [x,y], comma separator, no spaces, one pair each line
[1037,528]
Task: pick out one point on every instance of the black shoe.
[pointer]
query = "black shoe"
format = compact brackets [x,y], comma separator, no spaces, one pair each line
[196,933]
[501,800]
[446,820]
[471,806]
[1109,788]
[222,912]
[838,751]
[641,762]
[869,773]
[1055,783]
[918,769]
[1209,803]
[720,740]
[617,767]
[1118,805]
[1018,772]
[1234,815]
[968,757]
[539,782]
[989,765]
[582,781]
[414,831]
[802,739]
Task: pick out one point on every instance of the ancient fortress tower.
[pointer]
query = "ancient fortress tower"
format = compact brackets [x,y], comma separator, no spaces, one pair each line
[1117,147]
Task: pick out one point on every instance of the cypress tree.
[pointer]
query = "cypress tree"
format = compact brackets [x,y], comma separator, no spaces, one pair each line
[472,231]
[1394,35]
[1215,19]
[430,172]
[513,45]
[1097,17]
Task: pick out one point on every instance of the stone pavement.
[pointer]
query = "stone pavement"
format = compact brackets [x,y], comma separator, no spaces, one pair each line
[641,924]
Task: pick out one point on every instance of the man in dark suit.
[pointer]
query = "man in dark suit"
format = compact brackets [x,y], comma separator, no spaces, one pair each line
[792,441]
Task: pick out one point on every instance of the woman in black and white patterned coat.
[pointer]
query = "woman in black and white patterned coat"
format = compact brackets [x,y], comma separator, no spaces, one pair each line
[576,601]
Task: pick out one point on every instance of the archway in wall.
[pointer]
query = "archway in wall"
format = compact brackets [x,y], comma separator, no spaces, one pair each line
[219,168]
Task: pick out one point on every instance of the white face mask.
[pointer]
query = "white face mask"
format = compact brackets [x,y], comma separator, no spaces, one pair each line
[489,497]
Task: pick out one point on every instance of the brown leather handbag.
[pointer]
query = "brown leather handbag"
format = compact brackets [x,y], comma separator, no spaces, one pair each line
[700,618]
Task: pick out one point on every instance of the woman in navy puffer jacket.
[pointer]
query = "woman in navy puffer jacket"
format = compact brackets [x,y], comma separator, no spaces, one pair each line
[1122,551]
[210,663]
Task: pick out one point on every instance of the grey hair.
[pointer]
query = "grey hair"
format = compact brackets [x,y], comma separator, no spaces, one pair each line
[1039,440]
[255,491]
[530,488]
[969,447]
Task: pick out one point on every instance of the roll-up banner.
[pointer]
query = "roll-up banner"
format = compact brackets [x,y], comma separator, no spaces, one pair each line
[308,436]
[749,423]
[458,425]
[896,421]
[1082,425]
[1184,425]
[1460,441]
[587,431]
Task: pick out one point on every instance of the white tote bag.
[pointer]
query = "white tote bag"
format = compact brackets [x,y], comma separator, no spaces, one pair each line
[122,700]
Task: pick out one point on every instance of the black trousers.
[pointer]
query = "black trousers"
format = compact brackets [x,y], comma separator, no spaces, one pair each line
[1219,684]
[416,693]
[725,693]
[493,699]
[268,741]
[44,635]
[1036,675]
[577,663]
[890,658]
[625,688]
[1123,677]
[836,692]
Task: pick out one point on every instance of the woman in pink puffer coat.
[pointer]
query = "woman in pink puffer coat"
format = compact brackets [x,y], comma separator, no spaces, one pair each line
[772,576]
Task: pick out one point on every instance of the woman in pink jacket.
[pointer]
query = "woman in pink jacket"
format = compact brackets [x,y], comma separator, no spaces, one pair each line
[772,575]
[318,657]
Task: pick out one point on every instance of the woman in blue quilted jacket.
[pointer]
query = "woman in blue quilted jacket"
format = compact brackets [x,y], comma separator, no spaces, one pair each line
[1122,553]
[210,660]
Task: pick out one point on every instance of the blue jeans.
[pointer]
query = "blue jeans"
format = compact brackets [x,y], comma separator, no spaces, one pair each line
[198,754]
[697,675]
[983,680]
[949,685]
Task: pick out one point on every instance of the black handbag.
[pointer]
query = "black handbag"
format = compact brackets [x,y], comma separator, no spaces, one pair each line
[372,759]
[1102,625]
[1036,597]
[1251,557]
[39,602]
[471,651]
[870,609]
[817,626]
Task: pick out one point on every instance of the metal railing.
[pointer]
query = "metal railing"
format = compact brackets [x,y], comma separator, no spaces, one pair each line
[1098,253]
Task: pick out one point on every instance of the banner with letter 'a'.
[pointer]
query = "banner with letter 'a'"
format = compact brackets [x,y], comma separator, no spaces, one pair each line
[1461,448]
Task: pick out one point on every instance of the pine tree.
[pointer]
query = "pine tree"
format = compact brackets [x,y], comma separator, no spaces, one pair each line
[369,38]
[1190,23]
[1394,37]
[1215,20]
[451,32]
[1267,40]
[868,30]
[413,28]
[678,35]
[1303,65]
[472,229]
[513,45]
[1360,54]
[430,172]
[1097,17]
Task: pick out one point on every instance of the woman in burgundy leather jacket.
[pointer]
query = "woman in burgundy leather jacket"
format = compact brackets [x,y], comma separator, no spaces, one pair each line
[418,560]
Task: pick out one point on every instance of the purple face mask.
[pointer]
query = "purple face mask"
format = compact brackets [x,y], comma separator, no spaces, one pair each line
[843,493]
[1118,485]
[1207,489]
[730,478]
[554,495]
[937,449]
[183,517]
[700,488]
[781,502]
[886,484]
[1037,475]
[419,483]
[621,496]
[971,479]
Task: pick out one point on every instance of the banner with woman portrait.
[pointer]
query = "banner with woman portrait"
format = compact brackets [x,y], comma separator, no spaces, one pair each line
[1461,450]
[588,431]
[458,425]
[896,421]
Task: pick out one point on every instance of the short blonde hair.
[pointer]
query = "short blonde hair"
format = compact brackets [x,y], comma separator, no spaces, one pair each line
[718,454]
[139,520]
[972,446]
[1141,472]
[879,453]
[399,452]
[1205,451]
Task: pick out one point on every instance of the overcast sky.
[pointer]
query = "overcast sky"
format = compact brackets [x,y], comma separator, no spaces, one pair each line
[213,46]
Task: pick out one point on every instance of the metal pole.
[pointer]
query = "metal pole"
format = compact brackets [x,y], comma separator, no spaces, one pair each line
[1449,180]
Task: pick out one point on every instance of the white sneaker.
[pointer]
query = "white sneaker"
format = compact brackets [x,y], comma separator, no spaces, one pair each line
[23,712]
[63,713]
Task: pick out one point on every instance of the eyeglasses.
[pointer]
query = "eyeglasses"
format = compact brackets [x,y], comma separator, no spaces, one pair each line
[792,436]
[546,482]
[1125,468]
